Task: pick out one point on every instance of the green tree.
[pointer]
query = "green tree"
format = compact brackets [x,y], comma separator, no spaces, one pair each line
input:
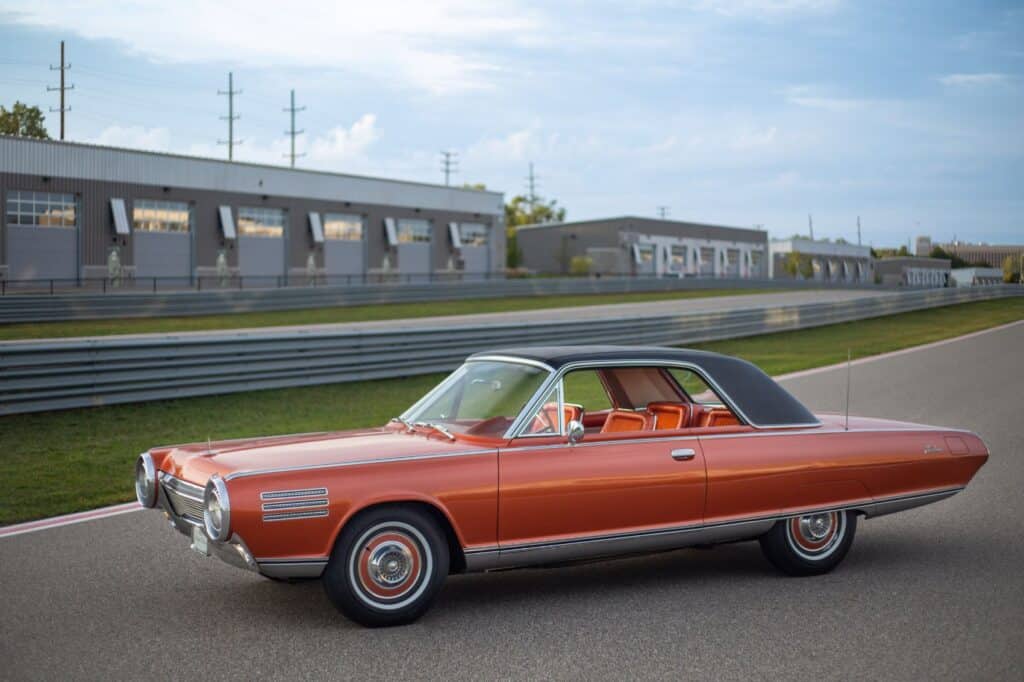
[955,260]
[518,212]
[23,120]
[1011,269]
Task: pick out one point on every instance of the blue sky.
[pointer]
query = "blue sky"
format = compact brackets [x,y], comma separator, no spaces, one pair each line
[743,112]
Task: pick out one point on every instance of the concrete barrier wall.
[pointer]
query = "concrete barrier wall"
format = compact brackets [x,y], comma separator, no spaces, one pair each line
[52,375]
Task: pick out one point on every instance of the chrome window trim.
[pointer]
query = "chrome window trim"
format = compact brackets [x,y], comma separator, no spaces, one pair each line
[359,462]
[590,444]
[513,359]
[515,430]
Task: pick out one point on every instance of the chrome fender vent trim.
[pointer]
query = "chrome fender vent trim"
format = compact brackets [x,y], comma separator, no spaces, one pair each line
[287,494]
[294,505]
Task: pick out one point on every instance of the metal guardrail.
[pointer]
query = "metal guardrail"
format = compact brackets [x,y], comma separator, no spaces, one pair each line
[53,375]
[124,304]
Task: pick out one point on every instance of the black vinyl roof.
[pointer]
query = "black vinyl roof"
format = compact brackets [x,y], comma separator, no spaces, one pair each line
[752,393]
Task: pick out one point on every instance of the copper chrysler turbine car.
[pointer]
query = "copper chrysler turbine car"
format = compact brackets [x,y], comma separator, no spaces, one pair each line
[540,456]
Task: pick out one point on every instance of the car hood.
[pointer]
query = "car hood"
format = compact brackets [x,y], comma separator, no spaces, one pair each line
[196,462]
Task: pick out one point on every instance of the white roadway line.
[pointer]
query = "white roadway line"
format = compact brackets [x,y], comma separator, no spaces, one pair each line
[105,512]
[895,353]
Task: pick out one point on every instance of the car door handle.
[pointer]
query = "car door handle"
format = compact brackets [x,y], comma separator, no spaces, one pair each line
[683,454]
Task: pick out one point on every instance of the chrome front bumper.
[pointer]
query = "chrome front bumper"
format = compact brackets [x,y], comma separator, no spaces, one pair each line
[182,504]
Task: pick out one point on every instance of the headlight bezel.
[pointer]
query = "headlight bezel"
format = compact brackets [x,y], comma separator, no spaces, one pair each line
[217,490]
[145,480]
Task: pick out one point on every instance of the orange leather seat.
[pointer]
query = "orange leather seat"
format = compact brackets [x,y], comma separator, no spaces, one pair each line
[550,416]
[669,415]
[624,420]
[720,418]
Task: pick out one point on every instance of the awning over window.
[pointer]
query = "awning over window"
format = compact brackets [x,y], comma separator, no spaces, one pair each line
[391,231]
[316,227]
[636,254]
[120,216]
[227,222]
[453,231]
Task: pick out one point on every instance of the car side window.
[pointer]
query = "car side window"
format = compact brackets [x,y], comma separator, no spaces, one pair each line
[583,387]
[695,387]
[545,420]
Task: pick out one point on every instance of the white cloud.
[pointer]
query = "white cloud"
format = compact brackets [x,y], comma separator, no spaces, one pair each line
[134,137]
[342,149]
[972,80]
[764,8]
[426,45]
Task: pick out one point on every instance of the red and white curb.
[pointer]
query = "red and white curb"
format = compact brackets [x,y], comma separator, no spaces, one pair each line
[104,512]
[68,519]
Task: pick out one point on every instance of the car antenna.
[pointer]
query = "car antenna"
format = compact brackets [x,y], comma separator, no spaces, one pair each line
[849,357]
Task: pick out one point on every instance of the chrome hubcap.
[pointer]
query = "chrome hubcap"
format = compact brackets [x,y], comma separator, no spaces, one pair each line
[390,564]
[815,527]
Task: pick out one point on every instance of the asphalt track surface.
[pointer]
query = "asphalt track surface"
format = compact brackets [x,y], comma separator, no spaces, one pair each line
[680,306]
[932,593]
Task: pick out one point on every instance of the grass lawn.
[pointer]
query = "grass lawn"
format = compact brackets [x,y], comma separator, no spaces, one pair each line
[60,462]
[390,311]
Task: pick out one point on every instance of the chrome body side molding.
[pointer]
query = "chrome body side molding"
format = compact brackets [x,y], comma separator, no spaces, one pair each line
[593,547]
[292,568]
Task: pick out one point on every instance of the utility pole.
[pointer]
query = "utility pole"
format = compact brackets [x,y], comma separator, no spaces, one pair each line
[231,117]
[663,212]
[449,164]
[810,225]
[858,230]
[531,189]
[63,88]
[292,132]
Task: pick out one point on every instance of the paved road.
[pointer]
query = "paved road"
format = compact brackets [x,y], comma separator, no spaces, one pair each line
[591,312]
[936,592]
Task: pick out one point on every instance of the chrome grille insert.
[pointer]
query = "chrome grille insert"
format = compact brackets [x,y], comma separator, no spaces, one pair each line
[291,516]
[286,494]
[185,499]
[295,504]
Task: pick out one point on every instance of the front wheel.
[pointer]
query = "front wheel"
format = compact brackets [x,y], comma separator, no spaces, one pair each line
[811,544]
[387,566]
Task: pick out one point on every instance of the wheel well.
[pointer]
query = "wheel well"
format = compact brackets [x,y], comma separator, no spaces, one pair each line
[457,558]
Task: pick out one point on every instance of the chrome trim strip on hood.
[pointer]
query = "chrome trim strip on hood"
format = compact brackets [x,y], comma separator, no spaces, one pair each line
[357,462]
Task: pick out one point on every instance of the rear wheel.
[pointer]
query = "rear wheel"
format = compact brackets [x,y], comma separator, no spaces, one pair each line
[387,566]
[811,544]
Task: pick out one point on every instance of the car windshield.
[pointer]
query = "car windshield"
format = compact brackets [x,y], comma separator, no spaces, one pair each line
[479,398]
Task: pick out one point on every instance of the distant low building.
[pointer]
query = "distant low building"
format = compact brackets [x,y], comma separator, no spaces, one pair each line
[631,245]
[913,271]
[974,277]
[821,260]
[983,255]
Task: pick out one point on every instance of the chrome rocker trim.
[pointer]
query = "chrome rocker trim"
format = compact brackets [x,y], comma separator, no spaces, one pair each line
[643,542]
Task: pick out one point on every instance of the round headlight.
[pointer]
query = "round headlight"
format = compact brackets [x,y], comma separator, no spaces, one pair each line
[216,509]
[145,480]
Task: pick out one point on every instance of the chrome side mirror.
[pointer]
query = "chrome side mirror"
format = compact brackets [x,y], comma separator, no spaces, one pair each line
[575,431]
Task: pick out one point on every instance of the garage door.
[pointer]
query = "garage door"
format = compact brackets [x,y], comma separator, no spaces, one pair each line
[41,236]
[474,248]
[414,246]
[343,245]
[162,241]
[261,239]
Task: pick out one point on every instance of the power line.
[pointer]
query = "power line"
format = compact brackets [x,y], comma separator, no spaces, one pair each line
[231,117]
[62,87]
[293,132]
[531,188]
[663,212]
[449,164]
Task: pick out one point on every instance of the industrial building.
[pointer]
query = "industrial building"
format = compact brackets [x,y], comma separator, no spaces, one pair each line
[983,255]
[975,277]
[913,271]
[79,213]
[630,245]
[821,260]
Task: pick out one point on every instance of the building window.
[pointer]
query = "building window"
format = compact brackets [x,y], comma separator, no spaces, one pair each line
[677,257]
[645,254]
[410,231]
[755,259]
[260,222]
[473,234]
[40,209]
[151,215]
[343,227]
